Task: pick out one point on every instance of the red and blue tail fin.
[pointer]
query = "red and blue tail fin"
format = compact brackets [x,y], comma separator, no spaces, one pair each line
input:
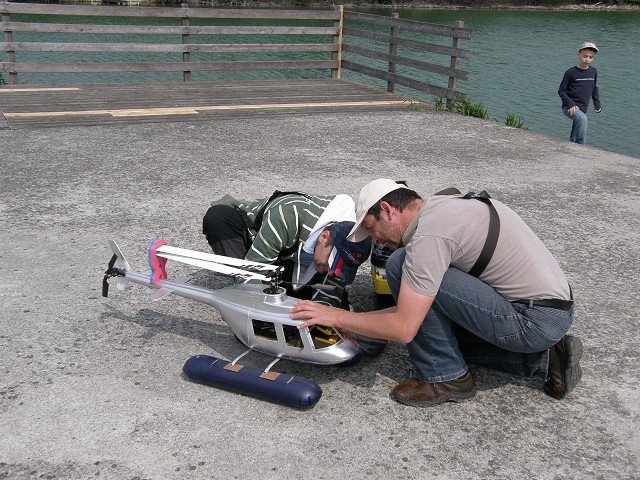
[157,263]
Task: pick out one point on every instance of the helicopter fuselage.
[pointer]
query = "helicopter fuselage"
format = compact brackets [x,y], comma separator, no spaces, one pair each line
[258,316]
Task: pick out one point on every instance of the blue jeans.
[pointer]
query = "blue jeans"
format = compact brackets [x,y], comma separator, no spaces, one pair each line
[579,128]
[469,322]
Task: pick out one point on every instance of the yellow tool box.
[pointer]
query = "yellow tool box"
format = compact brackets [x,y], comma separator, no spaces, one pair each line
[382,294]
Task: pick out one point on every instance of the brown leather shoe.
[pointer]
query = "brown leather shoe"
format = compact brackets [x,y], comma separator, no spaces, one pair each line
[417,393]
[565,371]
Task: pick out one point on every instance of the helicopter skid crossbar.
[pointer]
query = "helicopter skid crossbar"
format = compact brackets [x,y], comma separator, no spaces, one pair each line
[235,360]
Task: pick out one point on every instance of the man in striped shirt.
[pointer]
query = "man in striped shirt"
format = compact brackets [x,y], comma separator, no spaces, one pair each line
[306,234]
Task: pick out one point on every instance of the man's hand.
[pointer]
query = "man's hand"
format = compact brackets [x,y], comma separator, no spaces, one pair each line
[399,323]
[315,314]
[598,110]
[572,110]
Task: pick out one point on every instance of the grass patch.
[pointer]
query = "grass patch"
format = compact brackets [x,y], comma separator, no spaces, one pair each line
[468,108]
[463,107]
[513,121]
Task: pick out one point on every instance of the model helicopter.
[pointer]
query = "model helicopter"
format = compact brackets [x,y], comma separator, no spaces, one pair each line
[258,315]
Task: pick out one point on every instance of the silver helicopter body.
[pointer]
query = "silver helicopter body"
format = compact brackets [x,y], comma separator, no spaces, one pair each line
[258,316]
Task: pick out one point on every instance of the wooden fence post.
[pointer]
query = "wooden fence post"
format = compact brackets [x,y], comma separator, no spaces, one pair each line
[186,56]
[335,72]
[455,62]
[11,54]
[393,50]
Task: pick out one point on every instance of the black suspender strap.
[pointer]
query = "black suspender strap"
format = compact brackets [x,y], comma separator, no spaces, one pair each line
[492,236]
[257,222]
[490,246]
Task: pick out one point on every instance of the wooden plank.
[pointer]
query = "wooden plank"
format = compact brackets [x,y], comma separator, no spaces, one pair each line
[411,25]
[13,89]
[407,42]
[109,11]
[101,67]
[194,110]
[169,47]
[82,28]
[399,80]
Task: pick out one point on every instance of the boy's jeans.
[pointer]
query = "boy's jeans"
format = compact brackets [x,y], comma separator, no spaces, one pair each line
[579,128]
[469,322]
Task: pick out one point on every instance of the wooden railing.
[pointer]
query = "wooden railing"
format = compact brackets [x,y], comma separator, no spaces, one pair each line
[177,39]
[402,33]
[194,40]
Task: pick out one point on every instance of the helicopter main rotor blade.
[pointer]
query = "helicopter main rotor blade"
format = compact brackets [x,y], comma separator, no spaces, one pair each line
[214,267]
[213,258]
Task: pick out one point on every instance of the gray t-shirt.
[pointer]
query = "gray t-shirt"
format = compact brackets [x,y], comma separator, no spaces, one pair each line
[451,231]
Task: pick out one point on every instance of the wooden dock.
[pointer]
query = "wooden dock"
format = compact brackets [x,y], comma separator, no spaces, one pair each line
[32,106]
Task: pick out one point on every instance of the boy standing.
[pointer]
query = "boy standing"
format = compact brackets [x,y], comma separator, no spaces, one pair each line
[578,86]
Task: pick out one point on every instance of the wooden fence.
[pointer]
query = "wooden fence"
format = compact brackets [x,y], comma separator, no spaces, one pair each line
[397,29]
[329,40]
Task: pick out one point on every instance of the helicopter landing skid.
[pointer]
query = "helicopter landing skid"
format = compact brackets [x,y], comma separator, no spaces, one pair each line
[272,386]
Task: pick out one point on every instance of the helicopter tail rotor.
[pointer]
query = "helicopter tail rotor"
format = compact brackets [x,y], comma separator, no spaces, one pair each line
[118,267]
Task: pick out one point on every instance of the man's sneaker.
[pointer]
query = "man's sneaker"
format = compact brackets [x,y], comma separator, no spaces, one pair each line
[370,347]
[417,393]
[565,371]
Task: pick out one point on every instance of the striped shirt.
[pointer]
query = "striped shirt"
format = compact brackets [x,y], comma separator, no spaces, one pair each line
[286,225]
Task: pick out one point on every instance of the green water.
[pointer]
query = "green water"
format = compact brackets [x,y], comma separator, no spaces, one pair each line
[517,61]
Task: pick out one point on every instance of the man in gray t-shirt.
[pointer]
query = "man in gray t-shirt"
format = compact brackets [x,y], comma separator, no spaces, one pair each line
[473,285]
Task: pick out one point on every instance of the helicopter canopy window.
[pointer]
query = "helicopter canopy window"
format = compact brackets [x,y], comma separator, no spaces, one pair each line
[323,337]
[266,330]
[292,336]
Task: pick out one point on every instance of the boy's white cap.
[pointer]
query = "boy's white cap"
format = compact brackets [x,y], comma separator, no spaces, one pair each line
[588,45]
[369,195]
[340,209]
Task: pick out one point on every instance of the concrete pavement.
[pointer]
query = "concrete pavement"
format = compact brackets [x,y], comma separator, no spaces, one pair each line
[92,387]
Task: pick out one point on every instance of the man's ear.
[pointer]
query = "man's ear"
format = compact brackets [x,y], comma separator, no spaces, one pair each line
[386,209]
[324,236]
